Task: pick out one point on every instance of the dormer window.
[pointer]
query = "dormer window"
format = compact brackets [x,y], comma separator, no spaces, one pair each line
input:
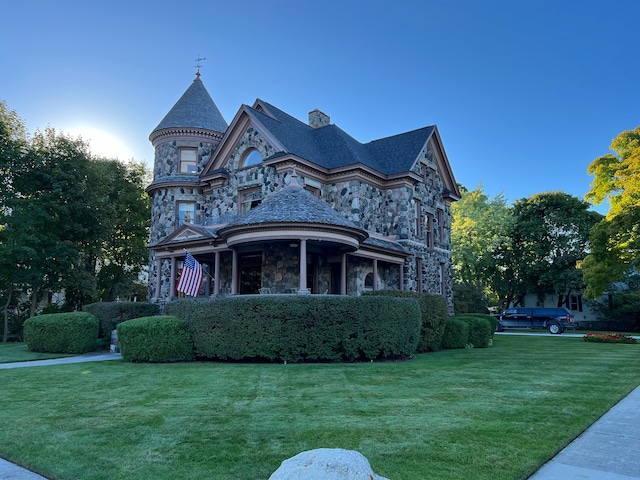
[188,159]
[252,157]
[250,199]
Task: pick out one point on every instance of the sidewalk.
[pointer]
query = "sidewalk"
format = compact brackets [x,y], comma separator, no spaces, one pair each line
[89,357]
[607,450]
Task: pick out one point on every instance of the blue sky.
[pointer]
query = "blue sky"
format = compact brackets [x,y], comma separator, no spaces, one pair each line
[525,94]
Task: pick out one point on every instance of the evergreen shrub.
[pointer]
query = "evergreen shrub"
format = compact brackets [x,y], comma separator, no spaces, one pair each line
[75,332]
[480,330]
[111,313]
[297,328]
[493,321]
[435,312]
[456,334]
[157,339]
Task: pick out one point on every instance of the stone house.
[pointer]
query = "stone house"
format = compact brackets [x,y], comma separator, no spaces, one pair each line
[270,204]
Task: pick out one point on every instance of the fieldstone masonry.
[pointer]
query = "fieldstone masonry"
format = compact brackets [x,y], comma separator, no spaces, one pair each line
[326,464]
[398,212]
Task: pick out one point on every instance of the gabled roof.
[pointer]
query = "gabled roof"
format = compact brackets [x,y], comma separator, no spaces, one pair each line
[187,232]
[194,109]
[332,147]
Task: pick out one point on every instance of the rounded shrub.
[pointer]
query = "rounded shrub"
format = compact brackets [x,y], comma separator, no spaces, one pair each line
[75,332]
[158,339]
[480,330]
[456,334]
[493,321]
[435,312]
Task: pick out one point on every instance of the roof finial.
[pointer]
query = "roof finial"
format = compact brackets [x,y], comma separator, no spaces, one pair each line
[294,178]
[198,66]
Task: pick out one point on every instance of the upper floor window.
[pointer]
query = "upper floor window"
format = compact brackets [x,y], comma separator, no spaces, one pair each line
[430,178]
[576,303]
[250,199]
[418,217]
[186,212]
[252,157]
[441,225]
[429,229]
[315,191]
[188,159]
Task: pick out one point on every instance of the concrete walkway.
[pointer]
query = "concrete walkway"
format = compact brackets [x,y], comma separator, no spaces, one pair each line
[89,357]
[607,450]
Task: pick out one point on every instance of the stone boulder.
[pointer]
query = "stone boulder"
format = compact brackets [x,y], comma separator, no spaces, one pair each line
[326,464]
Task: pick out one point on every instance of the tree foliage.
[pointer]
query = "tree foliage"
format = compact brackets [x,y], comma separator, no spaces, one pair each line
[531,247]
[68,221]
[550,236]
[480,226]
[615,240]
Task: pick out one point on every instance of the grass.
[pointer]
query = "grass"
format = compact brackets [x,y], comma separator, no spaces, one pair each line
[18,352]
[496,413]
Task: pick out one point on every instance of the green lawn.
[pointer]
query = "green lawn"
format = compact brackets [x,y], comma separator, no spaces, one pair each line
[18,352]
[496,413]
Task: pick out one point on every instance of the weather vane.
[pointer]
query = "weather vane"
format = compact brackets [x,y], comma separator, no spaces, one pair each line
[198,66]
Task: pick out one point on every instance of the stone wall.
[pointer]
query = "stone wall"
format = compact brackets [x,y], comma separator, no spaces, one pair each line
[391,212]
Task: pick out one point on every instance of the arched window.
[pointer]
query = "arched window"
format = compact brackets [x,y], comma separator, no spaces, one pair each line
[368,281]
[252,157]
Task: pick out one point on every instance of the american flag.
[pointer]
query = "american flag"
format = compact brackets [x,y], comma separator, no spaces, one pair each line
[191,277]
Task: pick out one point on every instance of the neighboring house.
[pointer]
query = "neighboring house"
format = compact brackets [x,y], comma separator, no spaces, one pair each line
[251,199]
[580,307]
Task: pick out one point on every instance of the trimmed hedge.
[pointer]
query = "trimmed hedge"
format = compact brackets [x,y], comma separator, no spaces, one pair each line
[157,339]
[456,334]
[75,332]
[111,313]
[296,328]
[481,328]
[435,312]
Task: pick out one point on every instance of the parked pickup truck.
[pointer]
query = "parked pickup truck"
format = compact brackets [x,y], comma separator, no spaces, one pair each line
[556,320]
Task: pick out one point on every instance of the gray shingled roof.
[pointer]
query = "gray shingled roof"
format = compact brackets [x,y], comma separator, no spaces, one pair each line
[293,204]
[332,147]
[377,242]
[195,109]
[176,179]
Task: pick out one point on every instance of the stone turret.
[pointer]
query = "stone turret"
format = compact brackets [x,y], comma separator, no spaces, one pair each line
[183,142]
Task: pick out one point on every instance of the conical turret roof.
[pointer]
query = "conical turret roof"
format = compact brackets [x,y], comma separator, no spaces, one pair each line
[194,109]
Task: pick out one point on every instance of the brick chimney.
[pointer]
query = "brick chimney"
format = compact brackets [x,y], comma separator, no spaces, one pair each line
[318,119]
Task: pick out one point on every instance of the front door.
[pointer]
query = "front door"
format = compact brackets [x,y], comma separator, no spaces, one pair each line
[250,273]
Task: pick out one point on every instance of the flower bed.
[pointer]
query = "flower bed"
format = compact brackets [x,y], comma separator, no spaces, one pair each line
[609,338]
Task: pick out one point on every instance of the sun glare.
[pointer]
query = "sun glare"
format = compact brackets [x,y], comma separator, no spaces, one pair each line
[101,143]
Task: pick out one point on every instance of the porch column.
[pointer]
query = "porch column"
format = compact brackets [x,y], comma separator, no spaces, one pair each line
[401,276]
[343,275]
[207,280]
[172,283]
[375,274]
[303,267]
[216,273]
[234,273]
[158,278]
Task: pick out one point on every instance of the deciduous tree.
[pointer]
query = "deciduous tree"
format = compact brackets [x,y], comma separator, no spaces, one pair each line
[615,241]
[550,235]
[479,232]
[68,221]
